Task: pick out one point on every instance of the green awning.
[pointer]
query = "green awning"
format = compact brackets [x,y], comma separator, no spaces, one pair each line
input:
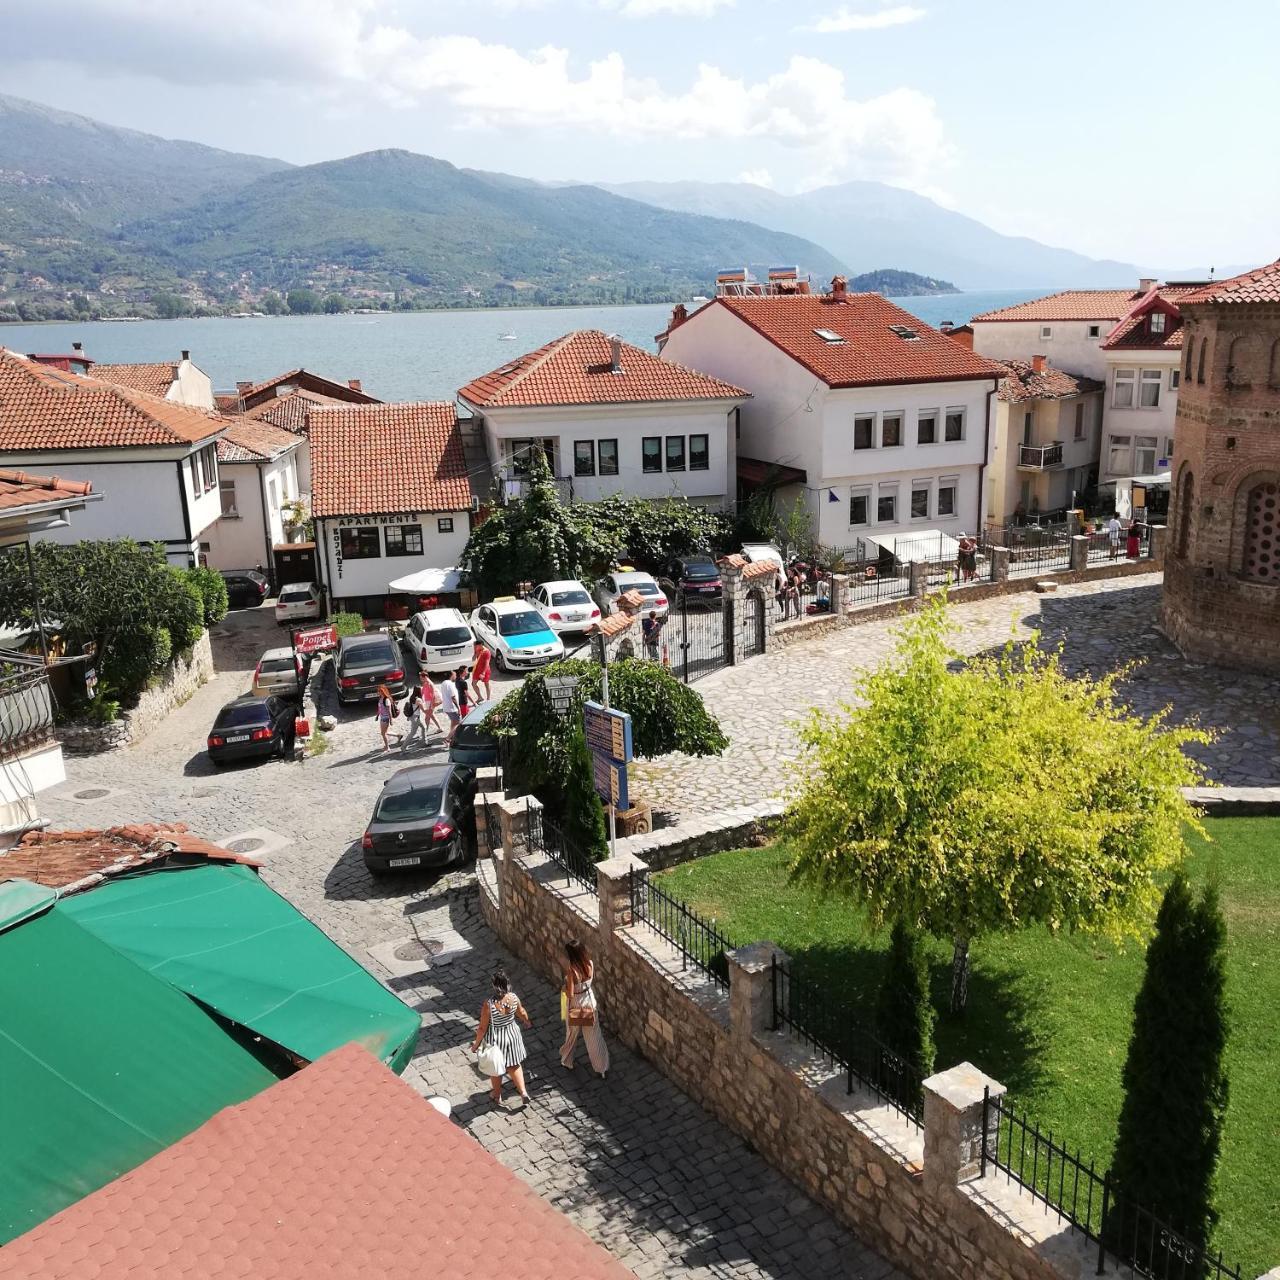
[101,1066]
[230,941]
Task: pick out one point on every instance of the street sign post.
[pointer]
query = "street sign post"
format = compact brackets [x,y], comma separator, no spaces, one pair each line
[611,782]
[314,639]
[608,734]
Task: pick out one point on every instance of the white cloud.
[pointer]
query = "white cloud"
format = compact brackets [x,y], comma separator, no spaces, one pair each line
[679,8]
[846,19]
[757,178]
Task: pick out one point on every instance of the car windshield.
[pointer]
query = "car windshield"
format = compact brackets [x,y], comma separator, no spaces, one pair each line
[272,666]
[470,734]
[570,597]
[643,587]
[241,714]
[696,572]
[520,624]
[368,655]
[407,806]
[295,596]
[442,636]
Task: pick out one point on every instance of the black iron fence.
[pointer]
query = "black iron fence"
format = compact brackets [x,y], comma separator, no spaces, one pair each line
[547,838]
[26,705]
[1126,1234]
[822,1021]
[698,941]
[1034,551]
[870,586]
[693,640]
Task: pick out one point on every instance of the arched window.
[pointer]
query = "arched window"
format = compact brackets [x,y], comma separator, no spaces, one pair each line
[1204,347]
[1186,496]
[1238,362]
[1191,346]
[1273,365]
[1261,560]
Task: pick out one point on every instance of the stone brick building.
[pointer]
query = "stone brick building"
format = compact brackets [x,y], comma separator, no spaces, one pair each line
[1222,570]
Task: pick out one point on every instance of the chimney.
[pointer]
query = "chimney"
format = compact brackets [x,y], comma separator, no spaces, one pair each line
[947,326]
[839,288]
[77,346]
[802,286]
[615,353]
[243,388]
[354,384]
[1037,364]
[679,314]
[1146,284]
[186,355]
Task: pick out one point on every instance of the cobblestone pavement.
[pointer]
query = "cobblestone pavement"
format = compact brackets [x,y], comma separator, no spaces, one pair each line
[1102,625]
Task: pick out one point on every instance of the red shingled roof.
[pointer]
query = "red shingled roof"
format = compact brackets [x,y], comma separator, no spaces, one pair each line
[1082,304]
[156,379]
[247,440]
[18,489]
[576,369]
[370,459]
[1024,383]
[290,412]
[1262,284]
[339,1171]
[42,408]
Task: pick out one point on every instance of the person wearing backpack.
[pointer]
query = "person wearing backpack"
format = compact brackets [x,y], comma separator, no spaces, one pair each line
[387,711]
[415,714]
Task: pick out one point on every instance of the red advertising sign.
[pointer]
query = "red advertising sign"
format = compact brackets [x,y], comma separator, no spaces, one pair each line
[315,639]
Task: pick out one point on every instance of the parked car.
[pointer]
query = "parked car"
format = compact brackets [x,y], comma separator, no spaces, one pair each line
[252,726]
[420,819]
[518,635]
[696,578]
[618,583]
[440,640]
[567,606]
[278,671]
[473,746]
[246,588]
[366,661]
[298,602]
[755,552]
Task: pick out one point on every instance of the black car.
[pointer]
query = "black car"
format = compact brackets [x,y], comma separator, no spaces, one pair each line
[252,727]
[366,661]
[695,580]
[421,819]
[246,588]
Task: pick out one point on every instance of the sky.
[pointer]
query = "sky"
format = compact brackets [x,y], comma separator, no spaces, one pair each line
[1129,129]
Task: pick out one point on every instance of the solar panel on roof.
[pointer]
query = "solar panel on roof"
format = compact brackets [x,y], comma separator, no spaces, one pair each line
[829,335]
[906,334]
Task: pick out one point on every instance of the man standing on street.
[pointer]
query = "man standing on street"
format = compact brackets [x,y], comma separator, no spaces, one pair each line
[449,705]
[652,629]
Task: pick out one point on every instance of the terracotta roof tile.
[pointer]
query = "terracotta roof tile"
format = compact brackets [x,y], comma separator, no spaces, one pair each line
[1132,334]
[248,440]
[1081,304]
[759,568]
[339,1171]
[615,624]
[343,392]
[869,352]
[42,408]
[1022,382]
[19,489]
[577,369]
[290,412]
[155,379]
[377,458]
[1262,284]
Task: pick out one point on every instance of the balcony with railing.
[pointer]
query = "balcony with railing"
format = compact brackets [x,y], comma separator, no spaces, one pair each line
[1039,457]
[26,705]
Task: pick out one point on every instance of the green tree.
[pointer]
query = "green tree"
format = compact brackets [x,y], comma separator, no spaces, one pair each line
[335,304]
[582,815]
[904,1012]
[1175,1080]
[303,302]
[212,587]
[170,306]
[991,797]
[273,304]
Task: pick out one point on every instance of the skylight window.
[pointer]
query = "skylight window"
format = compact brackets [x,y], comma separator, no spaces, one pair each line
[830,336]
[907,335]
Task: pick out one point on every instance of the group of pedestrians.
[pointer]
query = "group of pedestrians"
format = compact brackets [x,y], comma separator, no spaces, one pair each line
[452,698]
[500,1044]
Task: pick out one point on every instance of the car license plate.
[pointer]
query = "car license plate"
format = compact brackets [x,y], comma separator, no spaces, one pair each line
[575,617]
[706,591]
[456,650]
[238,737]
[404,862]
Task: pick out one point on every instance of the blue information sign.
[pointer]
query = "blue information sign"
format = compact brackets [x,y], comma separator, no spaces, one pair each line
[608,734]
[611,782]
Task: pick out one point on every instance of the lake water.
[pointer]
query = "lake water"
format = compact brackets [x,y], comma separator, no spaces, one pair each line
[420,355]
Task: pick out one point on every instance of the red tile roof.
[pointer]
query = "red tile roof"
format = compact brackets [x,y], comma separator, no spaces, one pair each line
[1131,335]
[19,489]
[1082,304]
[1262,284]
[42,408]
[1024,383]
[576,369]
[290,412]
[343,392]
[247,440]
[71,861]
[337,1172]
[153,378]
[378,458]
[871,354]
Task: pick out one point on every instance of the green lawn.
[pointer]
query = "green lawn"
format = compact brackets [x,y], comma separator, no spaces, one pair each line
[1049,1016]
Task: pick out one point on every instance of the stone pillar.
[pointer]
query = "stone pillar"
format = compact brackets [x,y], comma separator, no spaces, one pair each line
[614,880]
[1158,543]
[751,988]
[919,577]
[731,611]
[953,1132]
[999,564]
[1079,560]
[514,816]
[839,594]
[488,839]
[1073,523]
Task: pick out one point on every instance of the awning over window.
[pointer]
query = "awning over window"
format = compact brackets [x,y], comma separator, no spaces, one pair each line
[427,582]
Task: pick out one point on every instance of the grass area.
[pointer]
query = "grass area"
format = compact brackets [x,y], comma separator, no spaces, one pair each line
[1050,1016]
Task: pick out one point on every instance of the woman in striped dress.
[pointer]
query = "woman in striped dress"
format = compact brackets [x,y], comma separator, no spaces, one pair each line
[498,1030]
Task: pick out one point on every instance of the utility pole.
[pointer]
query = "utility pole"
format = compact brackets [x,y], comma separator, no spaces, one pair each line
[602,657]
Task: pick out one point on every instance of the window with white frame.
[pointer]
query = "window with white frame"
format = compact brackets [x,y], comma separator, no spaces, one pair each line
[1156,321]
[860,505]
[1168,450]
[1119,455]
[887,503]
[1079,419]
[954,426]
[1122,393]
[946,505]
[864,431]
[403,539]
[1149,388]
[927,426]
[1095,330]
[1046,332]
[890,430]
[227,490]
[1175,378]
[920,499]
[1144,455]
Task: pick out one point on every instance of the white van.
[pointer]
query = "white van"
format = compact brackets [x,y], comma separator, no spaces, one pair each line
[440,640]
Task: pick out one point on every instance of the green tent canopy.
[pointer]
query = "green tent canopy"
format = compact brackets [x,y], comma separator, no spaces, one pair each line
[230,941]
[101,1066]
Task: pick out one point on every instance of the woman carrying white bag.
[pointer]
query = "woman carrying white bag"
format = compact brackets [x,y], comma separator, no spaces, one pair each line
[498,1039]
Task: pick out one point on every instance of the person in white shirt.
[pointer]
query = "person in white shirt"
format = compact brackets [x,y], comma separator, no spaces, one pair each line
[449,705]
[1113,535]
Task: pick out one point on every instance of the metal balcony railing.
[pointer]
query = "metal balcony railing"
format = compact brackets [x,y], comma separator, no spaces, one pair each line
[26,705]
[1040,457]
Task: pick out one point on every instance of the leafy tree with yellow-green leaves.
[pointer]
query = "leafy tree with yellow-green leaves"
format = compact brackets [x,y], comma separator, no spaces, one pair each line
[964,798]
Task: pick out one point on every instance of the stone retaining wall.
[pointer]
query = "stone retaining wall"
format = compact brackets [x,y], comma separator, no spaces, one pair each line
[734,828]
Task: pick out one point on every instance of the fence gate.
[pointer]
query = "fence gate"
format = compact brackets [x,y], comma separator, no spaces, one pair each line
[696,646]
[752,624]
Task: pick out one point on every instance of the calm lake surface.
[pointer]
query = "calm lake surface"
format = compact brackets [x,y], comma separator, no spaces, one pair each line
[420,355]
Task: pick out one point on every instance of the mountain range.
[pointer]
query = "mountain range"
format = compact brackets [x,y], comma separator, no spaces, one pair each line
[95,218]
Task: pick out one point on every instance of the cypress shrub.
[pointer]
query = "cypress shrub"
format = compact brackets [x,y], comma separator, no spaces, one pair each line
[904,1012]
[582,818]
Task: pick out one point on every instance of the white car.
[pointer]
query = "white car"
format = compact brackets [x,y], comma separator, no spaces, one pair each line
[517,633]
[618,583]
[440,640]
[278,671]
[566,606]
[298,602]
[755,552]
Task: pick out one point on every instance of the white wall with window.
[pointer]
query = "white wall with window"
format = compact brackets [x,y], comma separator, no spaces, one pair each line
[1073,345]
[1141,409]
[251,499]
[360,554]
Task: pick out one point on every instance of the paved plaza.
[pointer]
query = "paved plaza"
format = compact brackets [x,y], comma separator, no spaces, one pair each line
[638,1165]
